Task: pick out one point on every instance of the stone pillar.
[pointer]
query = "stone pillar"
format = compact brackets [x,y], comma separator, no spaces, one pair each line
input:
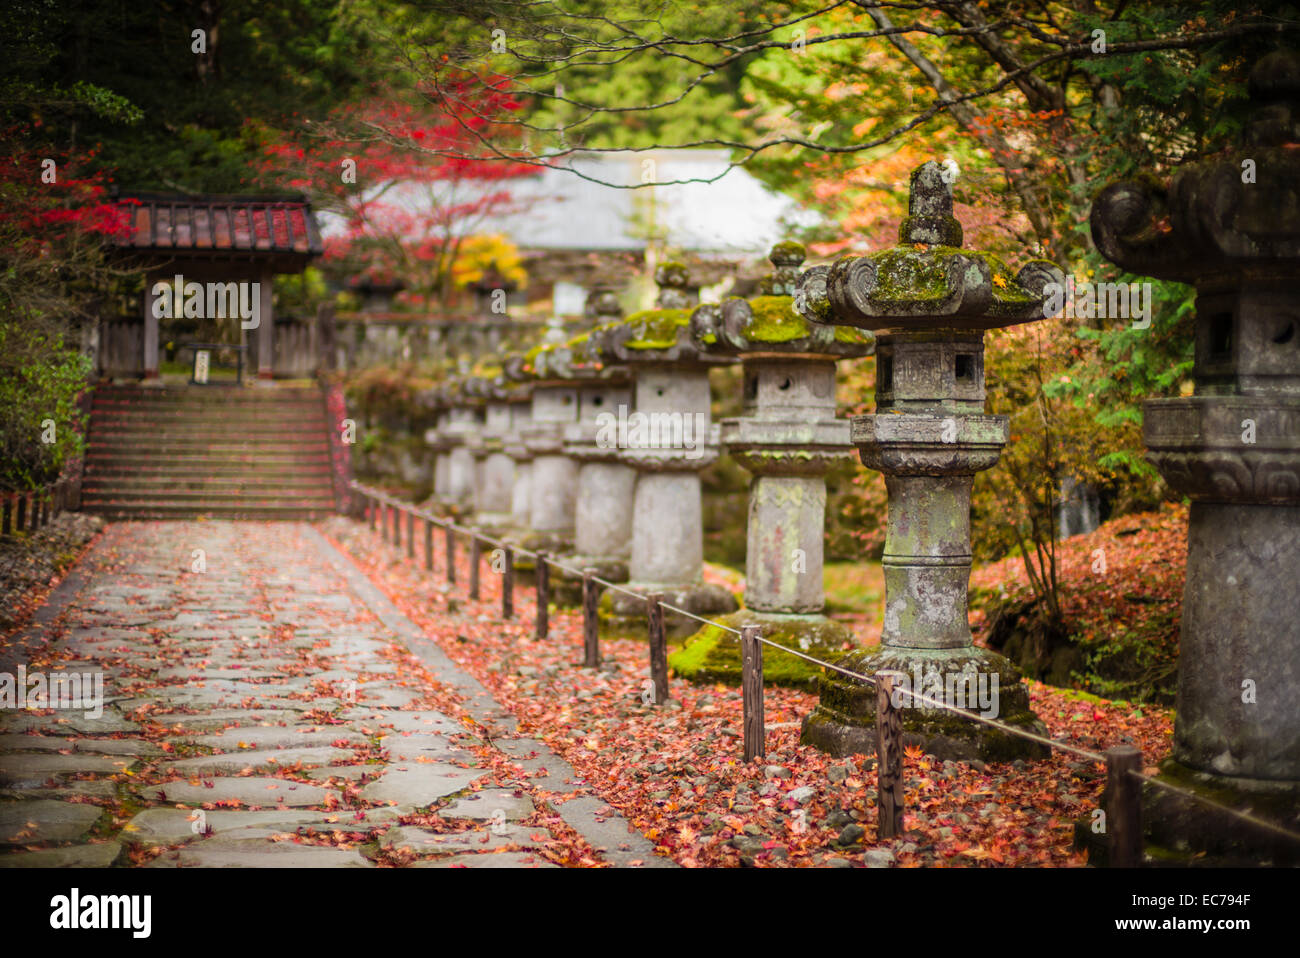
[495,471]
[788,438]
[438,441]
[929,302]
[606,484]
[668,440]
[149,336]
[553,484]
[266,327]
[1233,447]
[462,422]
[521,494]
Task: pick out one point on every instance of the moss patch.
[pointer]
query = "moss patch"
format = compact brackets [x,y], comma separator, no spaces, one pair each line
[656,328]
[713,654]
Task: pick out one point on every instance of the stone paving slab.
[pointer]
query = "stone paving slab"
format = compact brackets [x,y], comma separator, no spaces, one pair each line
[33,768]
[277,737]
[249,791]
[260,853]
[231,763]
[419,784]
[171,826]
[421,841]
[488,803]
[99,855]
[490,860]
[231,667]
[45,820]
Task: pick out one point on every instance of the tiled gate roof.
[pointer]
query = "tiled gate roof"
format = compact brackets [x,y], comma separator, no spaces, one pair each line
[279,228]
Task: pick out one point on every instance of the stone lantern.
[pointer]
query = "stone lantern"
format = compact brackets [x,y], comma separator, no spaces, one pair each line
[669,439]
[434,437]
[494,470]
[603,514]
[553,476]
[1230,226]
[788,438]
[464,418]
[929,301]
[519,398]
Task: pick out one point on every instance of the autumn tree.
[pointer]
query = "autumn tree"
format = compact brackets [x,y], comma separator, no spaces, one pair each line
[1039,104]
[395,174]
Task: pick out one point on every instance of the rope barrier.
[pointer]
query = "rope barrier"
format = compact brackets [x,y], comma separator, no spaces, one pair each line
[869,681]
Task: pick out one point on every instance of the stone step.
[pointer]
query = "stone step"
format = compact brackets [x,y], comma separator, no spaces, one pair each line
[161,446]
[170,511]
[198,394]
[167,485]
[214,468]
[107,463]
[289,497]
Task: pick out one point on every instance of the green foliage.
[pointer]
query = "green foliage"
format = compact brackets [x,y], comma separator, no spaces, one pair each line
[125,76]
[40,380]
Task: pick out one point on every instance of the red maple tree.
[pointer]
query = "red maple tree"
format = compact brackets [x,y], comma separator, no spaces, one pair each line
[396,176]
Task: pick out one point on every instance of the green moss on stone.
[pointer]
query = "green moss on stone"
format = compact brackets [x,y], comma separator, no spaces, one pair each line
[656,328]
[773,320]
[713,653]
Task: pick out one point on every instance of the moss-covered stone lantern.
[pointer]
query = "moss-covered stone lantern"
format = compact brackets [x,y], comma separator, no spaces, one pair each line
[668,439]
[435,438]
[928,301]
[519,397]
[494,470]
[465,416]
[553,476]
[787,439]
[603,513]
[1230,226]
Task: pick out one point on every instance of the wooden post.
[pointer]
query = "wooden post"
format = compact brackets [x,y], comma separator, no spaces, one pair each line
[590,634]
[1123,807]
[370,510]
[428,544]
[451,553]
[543,596]
[20,514]
[658,647]
[475,554]
[751,677]
[397,525]
[889,757]
[42,509]
[410,533]
[383,519]
[6,521]
[508,585]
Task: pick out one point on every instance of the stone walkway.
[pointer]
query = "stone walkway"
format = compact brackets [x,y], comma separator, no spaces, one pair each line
[265,705]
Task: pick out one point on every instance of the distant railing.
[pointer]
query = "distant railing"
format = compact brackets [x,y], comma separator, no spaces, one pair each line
[34,509]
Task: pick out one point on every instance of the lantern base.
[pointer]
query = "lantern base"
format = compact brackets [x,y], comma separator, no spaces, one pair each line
[624,616]
[568,588]
[1179,831]
[713,655]
[978,680]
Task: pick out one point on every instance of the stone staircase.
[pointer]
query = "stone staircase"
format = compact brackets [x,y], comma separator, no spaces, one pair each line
[183,452]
